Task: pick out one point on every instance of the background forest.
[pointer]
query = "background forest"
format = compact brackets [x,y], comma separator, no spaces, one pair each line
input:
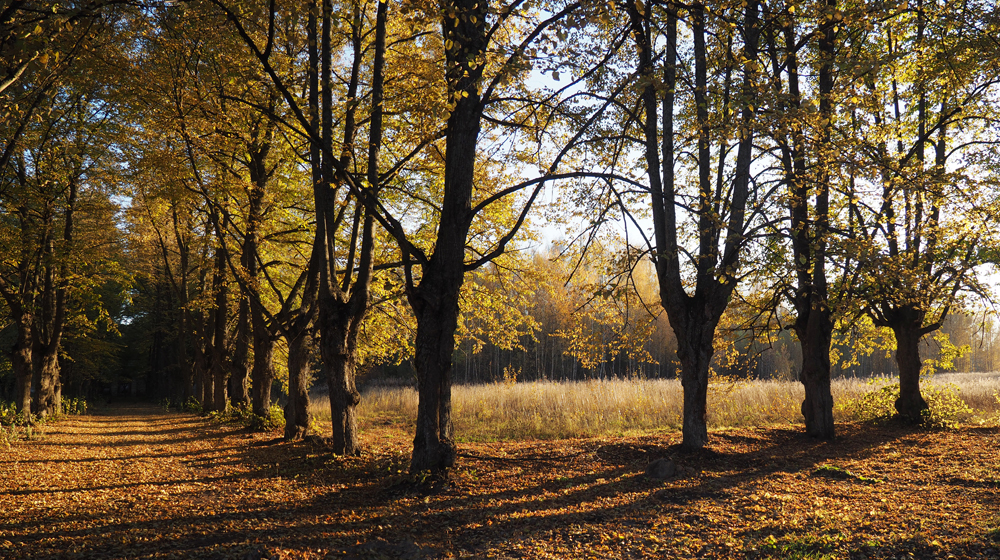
[238,203]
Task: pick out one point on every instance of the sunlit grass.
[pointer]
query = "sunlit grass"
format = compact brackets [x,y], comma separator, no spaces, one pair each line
[550,409]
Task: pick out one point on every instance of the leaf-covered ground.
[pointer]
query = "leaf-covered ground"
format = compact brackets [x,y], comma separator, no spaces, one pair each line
[140,483]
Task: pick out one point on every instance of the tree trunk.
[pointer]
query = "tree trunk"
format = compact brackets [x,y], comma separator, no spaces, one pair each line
[297,407]
[695,348]
[339,359]
[437,319]
[815,337]
[435,300]
[20,359]
[219,371]
[262,374]
[239,386]
[45,361]
[202,362]
[908,331]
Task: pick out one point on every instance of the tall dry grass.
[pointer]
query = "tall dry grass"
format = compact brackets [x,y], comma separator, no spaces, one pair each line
[550,409]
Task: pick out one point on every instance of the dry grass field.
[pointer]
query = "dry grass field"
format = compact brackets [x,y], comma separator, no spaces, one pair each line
[557,410]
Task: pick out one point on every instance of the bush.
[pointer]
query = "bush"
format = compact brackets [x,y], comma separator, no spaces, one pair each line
[9,416]
[192,405]
[74,406]
[274,419]
[946,404]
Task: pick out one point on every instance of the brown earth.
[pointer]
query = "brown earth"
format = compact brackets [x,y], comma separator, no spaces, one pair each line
[135,482]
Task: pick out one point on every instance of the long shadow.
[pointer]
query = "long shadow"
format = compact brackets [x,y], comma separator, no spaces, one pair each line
[124,457]
[461,516]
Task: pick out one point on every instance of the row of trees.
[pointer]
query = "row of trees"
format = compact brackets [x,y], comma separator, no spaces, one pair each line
[235,184]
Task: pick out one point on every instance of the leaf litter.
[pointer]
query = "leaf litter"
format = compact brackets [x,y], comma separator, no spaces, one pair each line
[135,482]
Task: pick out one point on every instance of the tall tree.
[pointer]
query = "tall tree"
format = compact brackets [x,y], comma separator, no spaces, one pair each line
[924,230]
[717,207]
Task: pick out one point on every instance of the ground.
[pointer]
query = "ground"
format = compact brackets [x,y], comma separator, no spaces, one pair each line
[137,482]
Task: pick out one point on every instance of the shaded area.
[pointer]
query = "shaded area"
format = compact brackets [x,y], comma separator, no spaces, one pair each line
[143,484]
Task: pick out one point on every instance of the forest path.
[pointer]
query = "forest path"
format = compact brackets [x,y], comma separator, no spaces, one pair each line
[133,481]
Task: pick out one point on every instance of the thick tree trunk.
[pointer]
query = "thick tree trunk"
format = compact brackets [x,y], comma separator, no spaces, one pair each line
[239,382]
[20,359]
[339,359]
[815,336]
[262,375]
[45,361]
[695,337]
[437,320]
[297,407]
[910,405]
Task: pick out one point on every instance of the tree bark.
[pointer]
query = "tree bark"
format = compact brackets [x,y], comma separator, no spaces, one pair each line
[695,348]
[262,375]
[297,407]
[239,381]
[20,360]
[220,316]
[908,330]
[815,334]
[339,359]
[436,307]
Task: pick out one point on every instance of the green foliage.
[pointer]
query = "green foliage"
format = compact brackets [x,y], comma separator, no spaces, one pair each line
[993,535]
[946,405]
[876,404]
[9,416]
[192,405]
[74,406]
[813,547]
[946,357]
[275,418]
[832,471]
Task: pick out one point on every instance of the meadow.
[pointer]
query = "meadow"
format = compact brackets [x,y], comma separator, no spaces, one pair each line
[558,409]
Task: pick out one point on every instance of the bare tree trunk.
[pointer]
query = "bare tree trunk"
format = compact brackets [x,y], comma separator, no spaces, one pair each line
[220,317]
[262,375]
[239,382]
[436,308]
[694,351]
[297,408]
[908,330]
[339,358]
[20,360]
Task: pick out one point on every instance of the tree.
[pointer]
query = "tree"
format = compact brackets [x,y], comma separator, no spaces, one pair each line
[718,208]
[923,230]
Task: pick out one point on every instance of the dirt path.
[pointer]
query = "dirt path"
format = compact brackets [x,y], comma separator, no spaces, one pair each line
[136,483]
[129,482]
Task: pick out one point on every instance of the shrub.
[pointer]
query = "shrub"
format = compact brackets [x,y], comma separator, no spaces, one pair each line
[192,405]
[946,406]
[274,419]
[74,406]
